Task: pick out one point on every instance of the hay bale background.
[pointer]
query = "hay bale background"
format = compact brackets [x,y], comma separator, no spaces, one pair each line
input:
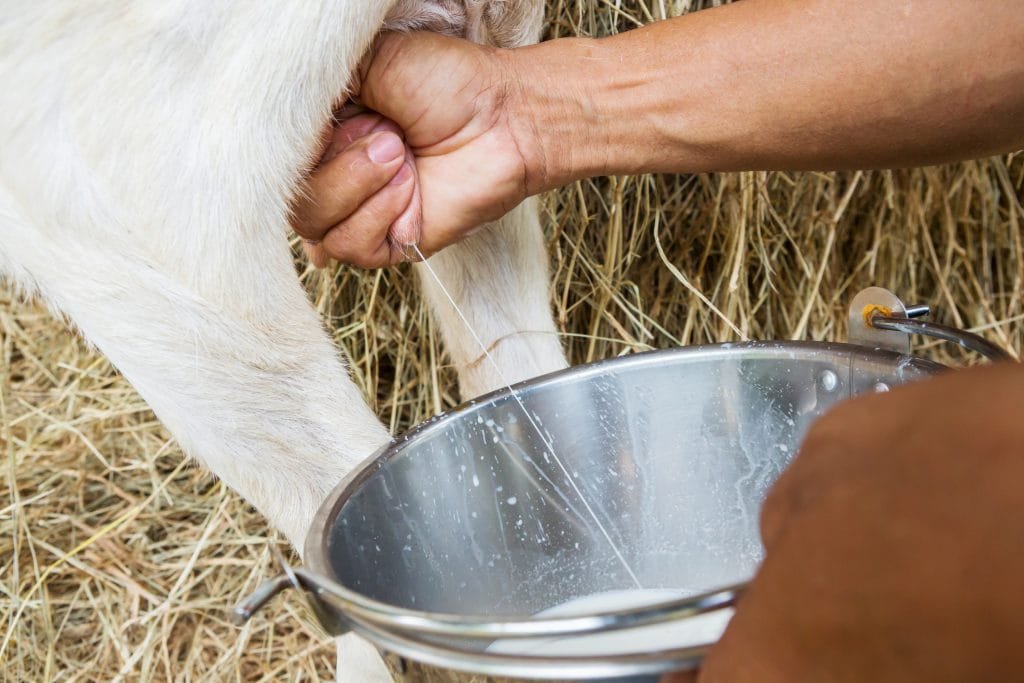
[118,560]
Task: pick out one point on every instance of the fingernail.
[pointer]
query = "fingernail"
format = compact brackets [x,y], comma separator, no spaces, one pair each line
[385,148]
[403,174]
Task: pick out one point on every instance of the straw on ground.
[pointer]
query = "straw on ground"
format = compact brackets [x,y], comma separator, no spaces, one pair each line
[119,562]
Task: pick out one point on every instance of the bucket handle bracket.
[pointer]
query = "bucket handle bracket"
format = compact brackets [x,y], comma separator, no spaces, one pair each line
[879,319]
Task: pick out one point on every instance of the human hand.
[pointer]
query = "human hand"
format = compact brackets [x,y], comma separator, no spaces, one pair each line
[893,544]
[701,92]
[465,159]
[365,179]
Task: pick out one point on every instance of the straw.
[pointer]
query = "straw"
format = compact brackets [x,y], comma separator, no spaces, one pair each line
[138,559]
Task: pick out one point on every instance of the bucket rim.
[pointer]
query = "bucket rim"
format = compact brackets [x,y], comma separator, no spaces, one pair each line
[316,550]
[416,633]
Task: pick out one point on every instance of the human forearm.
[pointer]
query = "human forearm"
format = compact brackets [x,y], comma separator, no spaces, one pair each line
[756,85]
[767,84]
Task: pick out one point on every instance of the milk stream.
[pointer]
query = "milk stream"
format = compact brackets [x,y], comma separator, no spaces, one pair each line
[530,418]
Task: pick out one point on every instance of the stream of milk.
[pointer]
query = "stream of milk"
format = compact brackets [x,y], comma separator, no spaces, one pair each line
[533,422]
[695,631]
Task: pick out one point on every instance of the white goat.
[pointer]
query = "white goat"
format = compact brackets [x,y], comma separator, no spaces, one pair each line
[151,149]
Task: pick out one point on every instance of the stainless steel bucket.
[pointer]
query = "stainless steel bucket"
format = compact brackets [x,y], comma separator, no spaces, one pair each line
[448,544]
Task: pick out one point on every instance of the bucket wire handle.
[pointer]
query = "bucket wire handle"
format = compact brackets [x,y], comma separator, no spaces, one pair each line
[910,325]
[291,578]
[244,610]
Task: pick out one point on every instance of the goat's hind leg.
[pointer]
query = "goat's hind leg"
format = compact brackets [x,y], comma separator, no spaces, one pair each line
[498,277]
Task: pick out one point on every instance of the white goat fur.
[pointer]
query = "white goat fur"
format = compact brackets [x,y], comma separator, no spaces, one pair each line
[151,148]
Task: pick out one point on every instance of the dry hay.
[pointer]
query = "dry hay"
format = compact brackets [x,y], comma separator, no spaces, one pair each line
[119,561]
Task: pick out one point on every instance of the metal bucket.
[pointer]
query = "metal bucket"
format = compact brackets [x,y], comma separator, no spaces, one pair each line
[474,543]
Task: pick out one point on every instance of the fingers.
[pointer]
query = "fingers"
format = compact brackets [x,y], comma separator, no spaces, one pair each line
[353,128]
[349,176]
[363,205]
[362,239]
